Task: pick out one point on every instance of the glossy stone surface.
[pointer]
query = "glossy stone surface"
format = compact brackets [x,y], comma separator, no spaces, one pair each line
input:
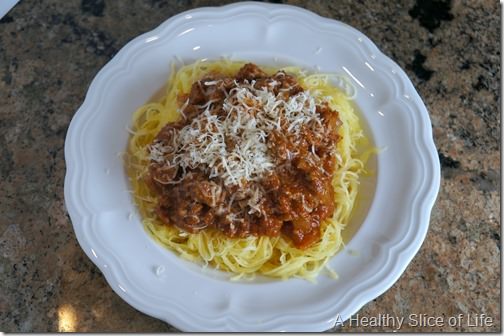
[49,53]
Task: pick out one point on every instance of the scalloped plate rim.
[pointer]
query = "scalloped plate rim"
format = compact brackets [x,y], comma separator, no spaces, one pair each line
[78,214]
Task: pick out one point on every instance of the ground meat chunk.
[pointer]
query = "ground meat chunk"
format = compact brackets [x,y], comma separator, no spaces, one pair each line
[250,71]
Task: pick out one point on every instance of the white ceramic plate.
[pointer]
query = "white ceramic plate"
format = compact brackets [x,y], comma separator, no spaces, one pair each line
[391,224]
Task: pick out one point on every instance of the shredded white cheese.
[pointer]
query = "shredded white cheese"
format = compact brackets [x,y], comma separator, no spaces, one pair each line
[234,147]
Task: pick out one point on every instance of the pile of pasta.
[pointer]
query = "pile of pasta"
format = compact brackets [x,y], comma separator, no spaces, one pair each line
[251,256]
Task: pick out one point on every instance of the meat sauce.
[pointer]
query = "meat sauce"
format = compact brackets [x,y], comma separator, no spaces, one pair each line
[292,199]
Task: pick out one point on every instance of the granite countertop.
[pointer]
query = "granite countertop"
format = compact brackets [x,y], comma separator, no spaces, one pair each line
[51,50]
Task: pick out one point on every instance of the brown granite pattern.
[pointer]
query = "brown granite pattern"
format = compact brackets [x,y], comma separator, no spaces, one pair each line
[51,50]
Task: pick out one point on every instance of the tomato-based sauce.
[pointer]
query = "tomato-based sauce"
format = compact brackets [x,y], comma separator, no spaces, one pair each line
[252,155]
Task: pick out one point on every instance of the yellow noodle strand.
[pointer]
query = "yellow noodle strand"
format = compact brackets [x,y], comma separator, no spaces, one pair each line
[246,257]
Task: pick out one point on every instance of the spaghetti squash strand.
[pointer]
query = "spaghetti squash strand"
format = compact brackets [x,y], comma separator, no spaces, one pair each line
[245,257]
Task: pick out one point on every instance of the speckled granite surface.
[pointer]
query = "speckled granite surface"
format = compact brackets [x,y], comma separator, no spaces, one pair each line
[51,50]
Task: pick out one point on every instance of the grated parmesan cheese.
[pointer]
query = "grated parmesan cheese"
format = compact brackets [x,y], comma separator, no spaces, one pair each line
[233,145]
